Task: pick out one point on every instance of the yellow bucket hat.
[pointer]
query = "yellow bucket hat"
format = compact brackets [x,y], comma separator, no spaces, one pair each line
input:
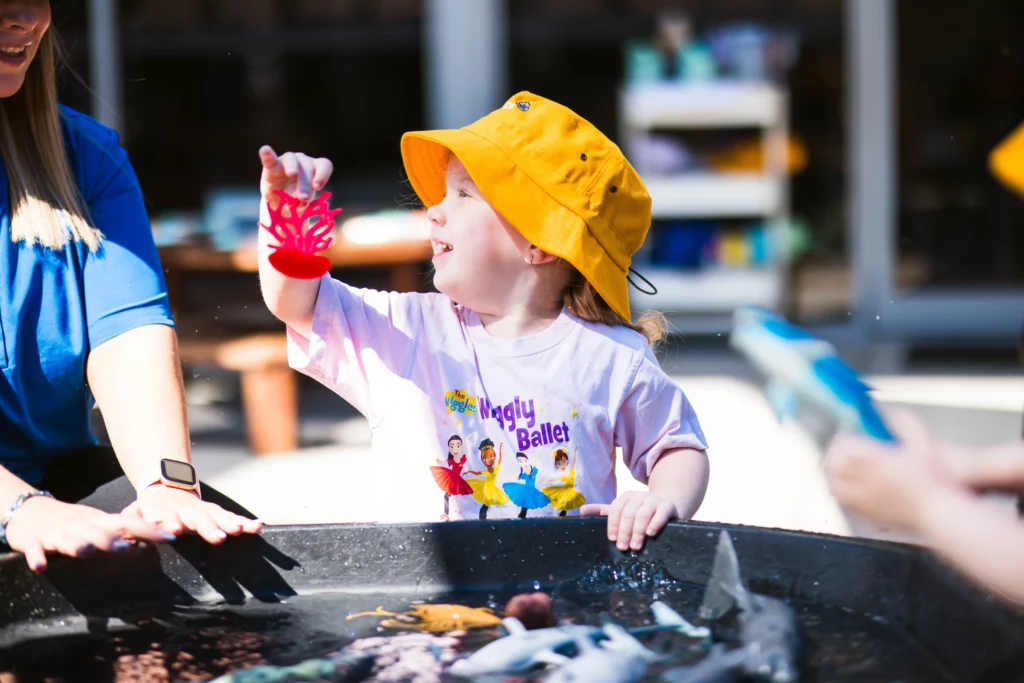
[560,181]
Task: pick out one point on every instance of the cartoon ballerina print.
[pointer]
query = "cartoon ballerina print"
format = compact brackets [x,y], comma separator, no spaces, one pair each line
[563,496]
[486,491]
[449,478]
[526,495]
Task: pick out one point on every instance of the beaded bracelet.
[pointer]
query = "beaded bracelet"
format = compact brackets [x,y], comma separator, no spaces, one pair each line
[14,508]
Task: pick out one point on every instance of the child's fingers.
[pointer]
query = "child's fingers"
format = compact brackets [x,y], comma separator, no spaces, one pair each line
[662,515]
[644,514]
[998,473]
[614,516]
[625,530]
[322,170]
[268,157]
[594,510]
[909,427]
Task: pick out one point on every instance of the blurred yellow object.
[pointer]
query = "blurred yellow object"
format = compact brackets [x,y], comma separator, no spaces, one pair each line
[733,249]
[1006,160]
[748,156]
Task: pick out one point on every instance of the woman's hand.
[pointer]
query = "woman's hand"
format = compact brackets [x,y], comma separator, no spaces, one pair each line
[44,525]
[175,510]
[634,516]
[294,173]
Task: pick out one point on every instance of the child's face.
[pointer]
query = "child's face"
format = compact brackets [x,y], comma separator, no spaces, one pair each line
[478,256]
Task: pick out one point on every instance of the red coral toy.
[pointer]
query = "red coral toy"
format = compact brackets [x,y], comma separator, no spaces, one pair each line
[296,254]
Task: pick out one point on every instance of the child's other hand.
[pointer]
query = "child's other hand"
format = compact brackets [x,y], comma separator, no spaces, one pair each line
[996,468]
[633,516]
[891,485]
[295,173]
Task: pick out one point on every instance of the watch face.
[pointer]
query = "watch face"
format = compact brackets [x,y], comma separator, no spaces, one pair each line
[178,472]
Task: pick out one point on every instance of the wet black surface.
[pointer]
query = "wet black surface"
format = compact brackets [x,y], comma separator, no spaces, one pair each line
[204,642]
[868,611]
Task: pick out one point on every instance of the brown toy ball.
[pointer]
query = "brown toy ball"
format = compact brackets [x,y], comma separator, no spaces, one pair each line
[534,610]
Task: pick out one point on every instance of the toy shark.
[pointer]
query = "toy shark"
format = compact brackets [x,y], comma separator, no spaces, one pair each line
[620,659]
[769,632]
[522,650]
[801,367]
[720,666]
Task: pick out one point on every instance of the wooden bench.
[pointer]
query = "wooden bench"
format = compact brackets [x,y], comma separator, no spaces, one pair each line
[269,388]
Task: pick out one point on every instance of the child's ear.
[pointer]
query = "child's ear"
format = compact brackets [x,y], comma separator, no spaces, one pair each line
[536,256]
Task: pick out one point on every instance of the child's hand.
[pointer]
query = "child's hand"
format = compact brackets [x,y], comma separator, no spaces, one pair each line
[633,516]
[295,173]
[891,485]
[997,468]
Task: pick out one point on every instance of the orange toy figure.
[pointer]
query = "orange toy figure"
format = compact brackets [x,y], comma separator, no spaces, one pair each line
[436,618]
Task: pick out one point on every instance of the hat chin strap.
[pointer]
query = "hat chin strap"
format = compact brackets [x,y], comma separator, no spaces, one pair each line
[654,290]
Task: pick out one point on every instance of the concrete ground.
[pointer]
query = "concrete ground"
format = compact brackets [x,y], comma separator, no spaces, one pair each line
[763,473]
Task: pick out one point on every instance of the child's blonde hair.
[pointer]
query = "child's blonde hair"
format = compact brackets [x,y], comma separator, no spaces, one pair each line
[586,304]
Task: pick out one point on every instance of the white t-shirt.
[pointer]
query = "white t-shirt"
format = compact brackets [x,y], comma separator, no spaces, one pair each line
[466,420]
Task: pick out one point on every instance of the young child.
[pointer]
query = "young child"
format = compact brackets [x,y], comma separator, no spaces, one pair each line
[935,492]
[534,216]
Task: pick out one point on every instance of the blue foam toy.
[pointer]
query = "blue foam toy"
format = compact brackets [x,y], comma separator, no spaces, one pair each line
[802,368]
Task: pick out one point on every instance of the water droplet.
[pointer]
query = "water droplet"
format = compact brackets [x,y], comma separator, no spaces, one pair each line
[401,548]
[195,375]
[536,585]
[878,317]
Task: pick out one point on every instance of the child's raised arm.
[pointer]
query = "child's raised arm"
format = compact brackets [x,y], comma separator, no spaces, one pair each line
[291,300]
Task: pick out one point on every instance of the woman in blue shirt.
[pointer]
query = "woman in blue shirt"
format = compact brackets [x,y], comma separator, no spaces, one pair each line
[84,319]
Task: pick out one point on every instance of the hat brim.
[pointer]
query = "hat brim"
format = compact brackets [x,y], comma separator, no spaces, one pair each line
[533,212]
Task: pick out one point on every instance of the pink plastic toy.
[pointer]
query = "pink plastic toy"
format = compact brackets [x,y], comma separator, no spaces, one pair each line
[296,254]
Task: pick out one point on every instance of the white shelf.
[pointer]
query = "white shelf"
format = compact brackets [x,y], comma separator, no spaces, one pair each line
[705,105]
[713,290]
[703,195]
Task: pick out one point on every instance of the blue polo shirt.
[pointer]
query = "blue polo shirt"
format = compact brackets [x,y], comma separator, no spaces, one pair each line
[55,306]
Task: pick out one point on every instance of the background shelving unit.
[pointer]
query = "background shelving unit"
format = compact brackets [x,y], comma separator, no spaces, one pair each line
[702,301]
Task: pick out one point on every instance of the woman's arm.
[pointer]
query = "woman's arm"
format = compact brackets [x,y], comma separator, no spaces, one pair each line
[136,379]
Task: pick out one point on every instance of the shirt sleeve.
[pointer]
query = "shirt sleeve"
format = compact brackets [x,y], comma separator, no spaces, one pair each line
[123,279]
[360,337]
[655,417]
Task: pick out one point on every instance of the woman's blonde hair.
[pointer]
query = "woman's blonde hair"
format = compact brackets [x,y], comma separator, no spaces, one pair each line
[46,207]
[583,300]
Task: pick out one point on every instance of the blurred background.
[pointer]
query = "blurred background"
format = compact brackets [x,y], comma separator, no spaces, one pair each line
[828,159]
